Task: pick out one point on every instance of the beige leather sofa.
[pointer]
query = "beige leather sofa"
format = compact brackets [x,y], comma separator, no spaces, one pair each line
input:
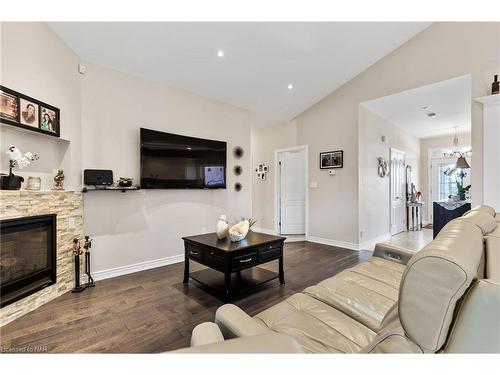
[445,298]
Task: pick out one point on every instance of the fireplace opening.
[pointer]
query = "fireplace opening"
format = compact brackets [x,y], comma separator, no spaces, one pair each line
[27,256]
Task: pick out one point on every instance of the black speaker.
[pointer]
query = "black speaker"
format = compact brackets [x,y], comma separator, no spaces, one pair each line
[98,177]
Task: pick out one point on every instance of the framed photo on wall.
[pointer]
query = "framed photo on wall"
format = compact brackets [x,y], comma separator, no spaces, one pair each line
[22,111]
[29,113]
[331,159]
[9,106]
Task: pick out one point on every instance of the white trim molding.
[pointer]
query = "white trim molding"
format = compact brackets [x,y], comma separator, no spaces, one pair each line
[293,238]
[327,241]
[132,268]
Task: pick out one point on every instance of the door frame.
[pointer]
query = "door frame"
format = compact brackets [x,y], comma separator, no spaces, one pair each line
[277,179]
[391,150]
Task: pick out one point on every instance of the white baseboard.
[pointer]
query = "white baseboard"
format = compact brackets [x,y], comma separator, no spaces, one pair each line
[142,266]
[297,238]
[327,241]
[370,244]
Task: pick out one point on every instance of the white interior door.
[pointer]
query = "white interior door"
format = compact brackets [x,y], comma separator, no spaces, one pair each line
[398,192]
[292,191]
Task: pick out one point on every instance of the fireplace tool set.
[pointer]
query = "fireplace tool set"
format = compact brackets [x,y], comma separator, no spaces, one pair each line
[77,252]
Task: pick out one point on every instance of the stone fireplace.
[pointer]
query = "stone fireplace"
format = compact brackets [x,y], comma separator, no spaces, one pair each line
[27,256]
[36,260]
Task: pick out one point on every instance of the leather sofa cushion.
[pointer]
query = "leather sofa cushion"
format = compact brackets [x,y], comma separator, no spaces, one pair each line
[382,270]
[316,326]
[435,279]
[367,295]
[476,328]
[483,208]
[485,221]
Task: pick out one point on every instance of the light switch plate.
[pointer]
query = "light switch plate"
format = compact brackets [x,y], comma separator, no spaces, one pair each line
[313,184]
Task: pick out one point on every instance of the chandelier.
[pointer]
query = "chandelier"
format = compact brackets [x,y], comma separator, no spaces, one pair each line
[456,152]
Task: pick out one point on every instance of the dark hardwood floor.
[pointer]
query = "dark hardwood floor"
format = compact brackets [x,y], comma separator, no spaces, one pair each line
[153,311]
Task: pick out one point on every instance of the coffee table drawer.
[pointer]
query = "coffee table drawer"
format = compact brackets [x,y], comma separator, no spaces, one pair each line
[270,252]
[214,260]
[194,252]
[244,261]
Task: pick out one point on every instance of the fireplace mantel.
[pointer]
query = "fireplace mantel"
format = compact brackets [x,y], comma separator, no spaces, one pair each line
[67,205]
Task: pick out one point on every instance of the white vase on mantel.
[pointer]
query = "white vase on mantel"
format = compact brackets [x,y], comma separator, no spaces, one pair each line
[222,227]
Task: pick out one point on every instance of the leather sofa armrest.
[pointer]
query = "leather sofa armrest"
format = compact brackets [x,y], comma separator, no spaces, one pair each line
[269,343]
[206,333]
[234,322]
[394,253]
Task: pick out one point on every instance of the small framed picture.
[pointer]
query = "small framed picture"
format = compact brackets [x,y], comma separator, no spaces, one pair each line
[259,176]
[9,106]
[331,159]
[263,176]
[49,119]
[256,169]
[261,167]
[29,112]
[266,168]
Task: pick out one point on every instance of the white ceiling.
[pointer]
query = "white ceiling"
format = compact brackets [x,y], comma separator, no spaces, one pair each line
[260,60]
[450,100]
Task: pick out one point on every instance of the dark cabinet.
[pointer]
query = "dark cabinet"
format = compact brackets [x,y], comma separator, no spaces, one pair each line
[444,212]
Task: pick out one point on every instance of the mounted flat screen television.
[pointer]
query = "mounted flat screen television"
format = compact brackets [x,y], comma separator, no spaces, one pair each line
[171,161]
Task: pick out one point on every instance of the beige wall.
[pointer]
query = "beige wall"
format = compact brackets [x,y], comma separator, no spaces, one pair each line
[35,62]
[264,142]
[443,51]
[101,113]
[445,142]
[374,191]
[147,225]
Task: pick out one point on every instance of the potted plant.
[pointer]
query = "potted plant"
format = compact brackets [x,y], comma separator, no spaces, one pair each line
[19,160]
[462,190]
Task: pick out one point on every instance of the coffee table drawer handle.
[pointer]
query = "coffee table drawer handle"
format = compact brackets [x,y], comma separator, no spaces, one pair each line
[193,252]
[245,260]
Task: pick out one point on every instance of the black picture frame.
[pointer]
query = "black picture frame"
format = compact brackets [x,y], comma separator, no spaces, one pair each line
[331,159]
[56,128]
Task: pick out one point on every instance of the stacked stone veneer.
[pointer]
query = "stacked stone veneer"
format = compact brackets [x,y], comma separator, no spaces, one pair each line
[66,205]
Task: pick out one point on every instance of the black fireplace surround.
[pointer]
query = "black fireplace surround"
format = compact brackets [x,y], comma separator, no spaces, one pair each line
[27,256]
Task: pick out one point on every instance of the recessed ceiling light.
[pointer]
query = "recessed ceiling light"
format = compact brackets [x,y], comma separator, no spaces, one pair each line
[188,148]
[290,86]
[220,53]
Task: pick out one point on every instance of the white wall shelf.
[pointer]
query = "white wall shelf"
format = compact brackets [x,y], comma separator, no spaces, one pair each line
[27,131]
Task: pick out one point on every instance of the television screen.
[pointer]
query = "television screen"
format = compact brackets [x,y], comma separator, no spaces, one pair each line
[171,161]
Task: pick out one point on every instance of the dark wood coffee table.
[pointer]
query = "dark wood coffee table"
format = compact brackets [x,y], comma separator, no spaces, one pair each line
[231,265]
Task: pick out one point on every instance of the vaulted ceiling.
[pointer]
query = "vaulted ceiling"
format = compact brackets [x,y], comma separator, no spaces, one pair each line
[259,62]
